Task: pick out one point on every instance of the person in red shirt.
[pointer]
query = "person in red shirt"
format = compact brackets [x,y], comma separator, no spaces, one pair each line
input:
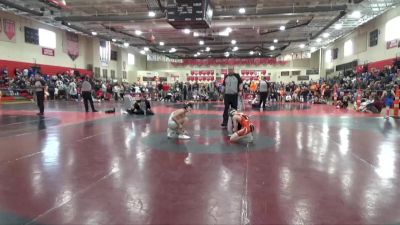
[242,127]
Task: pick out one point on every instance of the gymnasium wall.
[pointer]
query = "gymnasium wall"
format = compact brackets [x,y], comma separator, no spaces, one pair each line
[17,52]
[377,56]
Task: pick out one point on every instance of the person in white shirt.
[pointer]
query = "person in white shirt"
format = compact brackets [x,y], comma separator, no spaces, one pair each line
[40,85]
[73,92]
[87,94]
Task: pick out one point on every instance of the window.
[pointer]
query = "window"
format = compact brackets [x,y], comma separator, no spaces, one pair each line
[296,73]
[335,53]
[131,59]
[328,56]
[47,38]
[392,32]
[97,71]
[348,48]
[105,71]
[373,38]
[114,55]
[285,73]
[113,74]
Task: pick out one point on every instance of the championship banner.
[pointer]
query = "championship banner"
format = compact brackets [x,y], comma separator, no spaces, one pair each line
[392,44]
[9,31]
[232,61]
[72,45]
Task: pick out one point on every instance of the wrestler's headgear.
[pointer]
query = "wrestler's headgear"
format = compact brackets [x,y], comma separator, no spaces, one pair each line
[232,112]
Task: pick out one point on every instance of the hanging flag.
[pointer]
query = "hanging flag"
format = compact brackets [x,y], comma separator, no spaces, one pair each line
[105,52]
[72,45]
[9,28]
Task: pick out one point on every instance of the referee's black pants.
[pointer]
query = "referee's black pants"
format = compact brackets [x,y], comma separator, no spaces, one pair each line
[230,100]
[40,101]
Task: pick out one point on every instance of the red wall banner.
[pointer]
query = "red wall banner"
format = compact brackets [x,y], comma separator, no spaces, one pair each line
[48,51]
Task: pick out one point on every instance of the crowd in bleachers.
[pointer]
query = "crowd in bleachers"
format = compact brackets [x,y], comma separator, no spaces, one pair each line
[341,90]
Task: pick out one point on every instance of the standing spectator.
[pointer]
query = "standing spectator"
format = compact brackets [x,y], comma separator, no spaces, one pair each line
[87,94]
[116,91]
[52,89]
[40,85]
[232,84]
[73,92]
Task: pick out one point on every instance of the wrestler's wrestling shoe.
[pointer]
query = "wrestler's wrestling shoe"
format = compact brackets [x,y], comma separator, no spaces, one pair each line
[172,134]
[183,137]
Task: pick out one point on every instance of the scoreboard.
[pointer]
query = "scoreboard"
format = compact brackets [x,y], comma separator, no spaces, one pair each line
[190,14]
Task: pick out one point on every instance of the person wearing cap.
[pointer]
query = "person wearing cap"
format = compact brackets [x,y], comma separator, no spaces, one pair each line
[177,121]
[242,128]
[233,87]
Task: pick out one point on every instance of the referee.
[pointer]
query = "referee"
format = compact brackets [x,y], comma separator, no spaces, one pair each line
[87,94]
[40,85]
[232,84]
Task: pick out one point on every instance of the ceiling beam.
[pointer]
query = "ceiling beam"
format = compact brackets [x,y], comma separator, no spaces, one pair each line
[337,18]
[281,10]
[229,13]
[21,8]
[110,18]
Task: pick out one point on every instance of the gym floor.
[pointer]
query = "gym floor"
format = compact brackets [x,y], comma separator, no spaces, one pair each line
[309,164]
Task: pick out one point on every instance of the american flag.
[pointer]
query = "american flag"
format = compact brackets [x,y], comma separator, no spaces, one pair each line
[105,51]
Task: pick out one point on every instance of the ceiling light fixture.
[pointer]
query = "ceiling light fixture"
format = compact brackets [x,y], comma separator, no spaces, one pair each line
[313,49]
[94,33]
[146,49]
[195,34]
[242,10]
[142,52]
[275,40]
[338,26]
[272,48]
[162,43]
[235,49]
[113,40]
[319,40]
[152,14]
[282,28]
[138,32]
[302,45]
[126,44]
[228,29]
[356,14]
[186,31]
[326,35]
[195,55]
[208,49]
[201,42]
[172,50]
[233,42]
[251,53]
[226,54]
